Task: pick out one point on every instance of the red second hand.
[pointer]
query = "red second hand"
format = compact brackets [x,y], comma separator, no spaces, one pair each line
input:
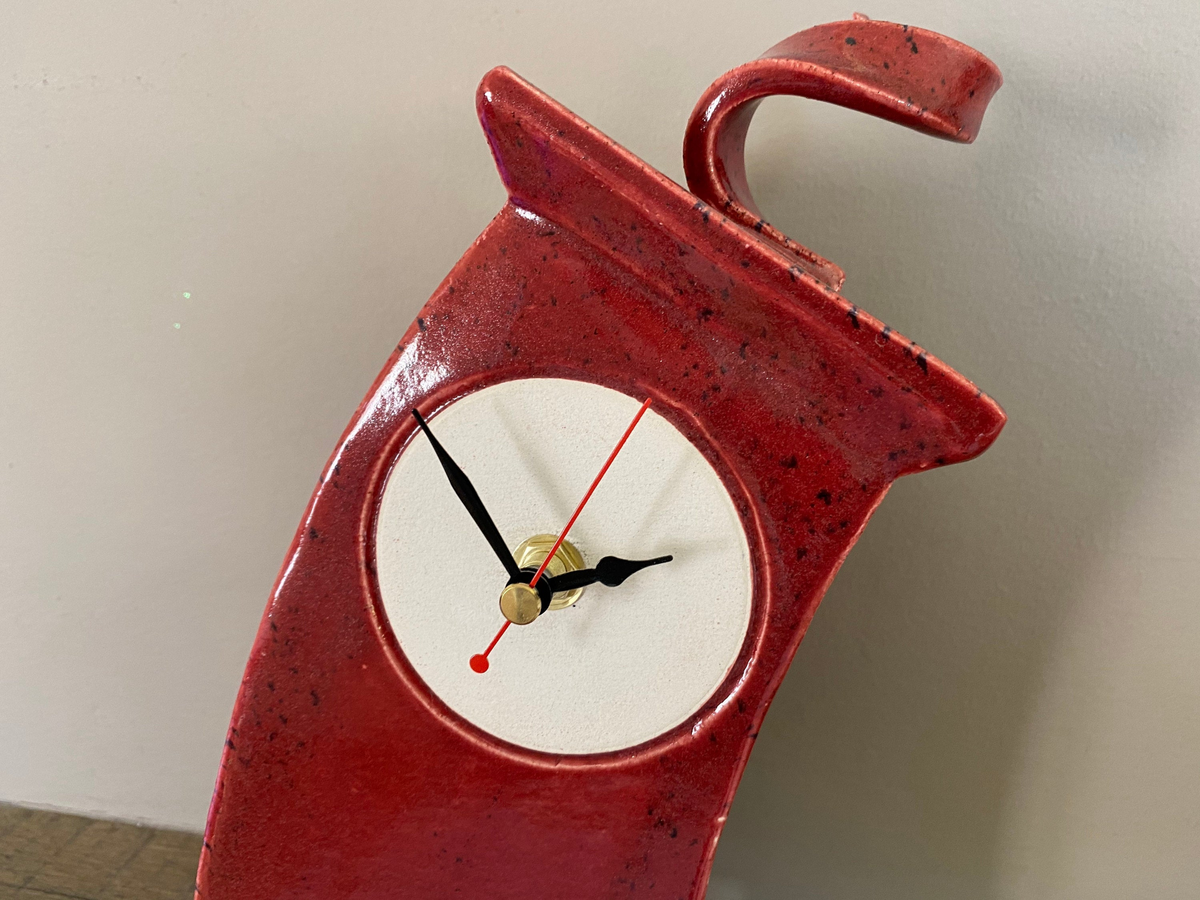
[591,490]
[479,662]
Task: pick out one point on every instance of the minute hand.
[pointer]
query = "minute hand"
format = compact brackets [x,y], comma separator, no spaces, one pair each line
[470,499]
[610,571]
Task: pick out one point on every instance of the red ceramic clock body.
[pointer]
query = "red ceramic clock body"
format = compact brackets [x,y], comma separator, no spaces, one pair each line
[343,775]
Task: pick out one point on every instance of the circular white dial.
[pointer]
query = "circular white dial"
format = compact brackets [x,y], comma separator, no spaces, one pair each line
[622,665]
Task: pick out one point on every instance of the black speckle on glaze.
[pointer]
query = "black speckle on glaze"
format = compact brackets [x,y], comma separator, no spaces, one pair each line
[851,41]
[826,496]
[853,316]
[923,361]
[421,324]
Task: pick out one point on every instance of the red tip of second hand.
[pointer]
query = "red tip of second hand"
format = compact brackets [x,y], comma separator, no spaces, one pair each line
[479,662]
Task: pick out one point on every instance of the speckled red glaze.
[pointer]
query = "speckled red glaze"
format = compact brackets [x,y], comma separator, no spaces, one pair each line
[343,776]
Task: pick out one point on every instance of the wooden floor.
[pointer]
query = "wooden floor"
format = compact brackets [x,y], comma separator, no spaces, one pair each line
[44,855]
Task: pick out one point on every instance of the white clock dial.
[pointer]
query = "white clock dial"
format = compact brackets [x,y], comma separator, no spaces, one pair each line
[622,665]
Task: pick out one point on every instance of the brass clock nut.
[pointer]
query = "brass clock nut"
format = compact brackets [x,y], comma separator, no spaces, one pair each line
[532,551]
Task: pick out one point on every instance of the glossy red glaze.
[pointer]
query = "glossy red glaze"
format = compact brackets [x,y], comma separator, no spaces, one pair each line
[343,776]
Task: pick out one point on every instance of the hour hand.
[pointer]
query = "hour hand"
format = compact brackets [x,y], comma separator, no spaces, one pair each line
[470,499]
[610,572]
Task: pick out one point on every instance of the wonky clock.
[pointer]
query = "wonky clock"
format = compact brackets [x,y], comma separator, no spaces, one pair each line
[567,546]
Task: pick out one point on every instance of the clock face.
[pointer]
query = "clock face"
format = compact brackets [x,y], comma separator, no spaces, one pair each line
[623,664]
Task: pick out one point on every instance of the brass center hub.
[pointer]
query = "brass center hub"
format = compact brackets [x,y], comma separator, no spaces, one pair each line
[520,603]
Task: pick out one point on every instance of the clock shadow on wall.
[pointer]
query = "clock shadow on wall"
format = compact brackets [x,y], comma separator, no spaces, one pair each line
[891,750]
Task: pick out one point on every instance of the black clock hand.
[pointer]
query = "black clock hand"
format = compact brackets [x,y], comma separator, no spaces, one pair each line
[470,499]
[610,571]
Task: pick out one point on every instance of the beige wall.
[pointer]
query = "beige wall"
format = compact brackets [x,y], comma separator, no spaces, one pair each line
[217,218]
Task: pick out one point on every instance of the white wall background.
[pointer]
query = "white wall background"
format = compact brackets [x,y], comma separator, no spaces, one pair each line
[217,218]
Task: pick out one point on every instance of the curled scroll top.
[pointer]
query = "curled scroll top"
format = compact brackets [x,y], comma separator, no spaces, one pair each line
[917,78]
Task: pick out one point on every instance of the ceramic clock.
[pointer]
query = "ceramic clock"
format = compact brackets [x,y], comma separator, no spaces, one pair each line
[562,555]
